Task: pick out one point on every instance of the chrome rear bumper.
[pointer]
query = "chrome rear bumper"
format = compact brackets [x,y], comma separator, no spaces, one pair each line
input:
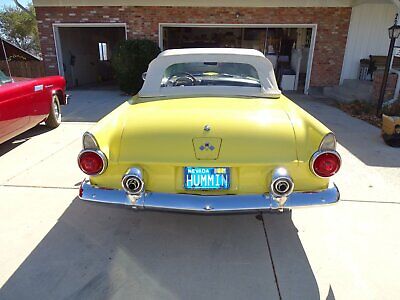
[207,204]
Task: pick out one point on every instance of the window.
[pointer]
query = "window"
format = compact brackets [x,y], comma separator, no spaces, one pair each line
[103,53]
[4,78]
[211,74]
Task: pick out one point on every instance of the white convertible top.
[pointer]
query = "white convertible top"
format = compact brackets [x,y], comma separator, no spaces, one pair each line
[152,84]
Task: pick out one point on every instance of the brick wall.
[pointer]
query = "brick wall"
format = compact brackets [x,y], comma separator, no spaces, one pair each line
[390,86]
[143,22]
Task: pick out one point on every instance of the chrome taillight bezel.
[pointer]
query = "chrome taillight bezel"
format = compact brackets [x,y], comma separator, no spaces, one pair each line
[100,154]
[318,154]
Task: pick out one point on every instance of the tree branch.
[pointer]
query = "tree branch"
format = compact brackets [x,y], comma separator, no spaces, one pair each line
[23,8]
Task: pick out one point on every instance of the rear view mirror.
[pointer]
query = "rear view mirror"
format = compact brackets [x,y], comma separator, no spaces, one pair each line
[144,75]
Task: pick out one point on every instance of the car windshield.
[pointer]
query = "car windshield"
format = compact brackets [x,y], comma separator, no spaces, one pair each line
[210,74]
[4,79]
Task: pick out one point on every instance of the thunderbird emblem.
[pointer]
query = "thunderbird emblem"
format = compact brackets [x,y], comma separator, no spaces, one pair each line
[206,147]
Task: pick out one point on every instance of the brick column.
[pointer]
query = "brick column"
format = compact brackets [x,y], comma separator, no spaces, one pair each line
[390,87]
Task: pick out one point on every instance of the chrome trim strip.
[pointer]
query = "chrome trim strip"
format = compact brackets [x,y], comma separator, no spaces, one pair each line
[207,204]
[100,153]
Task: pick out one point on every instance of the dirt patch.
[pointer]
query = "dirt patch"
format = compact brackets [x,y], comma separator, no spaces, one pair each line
[361,110]
[366,111]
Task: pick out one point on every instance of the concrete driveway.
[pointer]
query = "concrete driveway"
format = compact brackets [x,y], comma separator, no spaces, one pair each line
[52,246]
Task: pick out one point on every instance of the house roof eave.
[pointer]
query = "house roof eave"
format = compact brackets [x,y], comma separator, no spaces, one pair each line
[19,48]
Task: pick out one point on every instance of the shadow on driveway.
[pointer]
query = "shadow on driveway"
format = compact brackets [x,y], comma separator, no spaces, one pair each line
[293,271]
[102,252]
[22,138]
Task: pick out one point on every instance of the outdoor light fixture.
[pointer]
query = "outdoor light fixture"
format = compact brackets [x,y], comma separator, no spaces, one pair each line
[394,30]
[394,33]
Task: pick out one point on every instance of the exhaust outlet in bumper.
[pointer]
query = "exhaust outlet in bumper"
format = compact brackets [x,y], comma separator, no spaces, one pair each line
[132,182]
[282,185]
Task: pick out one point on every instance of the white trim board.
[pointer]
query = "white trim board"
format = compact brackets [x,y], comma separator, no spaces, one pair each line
[89,24]
[213,25]
[205,3]
[200,3]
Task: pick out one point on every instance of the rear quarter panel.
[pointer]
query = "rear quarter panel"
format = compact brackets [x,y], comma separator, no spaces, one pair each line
[309,133]
[308,130]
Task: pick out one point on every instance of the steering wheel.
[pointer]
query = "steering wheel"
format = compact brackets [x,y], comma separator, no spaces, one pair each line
[181,79]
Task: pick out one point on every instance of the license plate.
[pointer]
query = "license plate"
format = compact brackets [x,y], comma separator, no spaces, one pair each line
[203,178]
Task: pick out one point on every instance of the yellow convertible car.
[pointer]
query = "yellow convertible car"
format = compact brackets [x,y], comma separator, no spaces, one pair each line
[209,132]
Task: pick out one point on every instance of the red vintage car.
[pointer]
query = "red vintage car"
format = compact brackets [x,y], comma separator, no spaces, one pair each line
[24,103]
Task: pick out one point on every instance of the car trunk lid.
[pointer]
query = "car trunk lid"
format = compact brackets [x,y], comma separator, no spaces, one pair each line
[225,130]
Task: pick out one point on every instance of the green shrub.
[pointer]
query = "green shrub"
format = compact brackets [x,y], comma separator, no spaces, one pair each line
[130,59]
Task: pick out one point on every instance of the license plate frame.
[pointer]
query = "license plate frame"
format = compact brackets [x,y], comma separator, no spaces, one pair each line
[198,178]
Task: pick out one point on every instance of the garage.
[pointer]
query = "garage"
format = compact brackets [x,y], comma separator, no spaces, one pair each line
[288,47]
[84,52]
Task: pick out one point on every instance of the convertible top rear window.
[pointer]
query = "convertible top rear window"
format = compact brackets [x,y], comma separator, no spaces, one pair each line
[210,74]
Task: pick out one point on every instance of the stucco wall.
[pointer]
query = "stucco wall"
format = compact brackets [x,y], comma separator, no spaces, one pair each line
[143,22]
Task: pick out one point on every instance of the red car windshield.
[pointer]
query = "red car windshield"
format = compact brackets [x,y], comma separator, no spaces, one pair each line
[4,79]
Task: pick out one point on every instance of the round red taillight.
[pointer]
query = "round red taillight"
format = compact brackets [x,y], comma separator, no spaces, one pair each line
[92,162]
[326,164]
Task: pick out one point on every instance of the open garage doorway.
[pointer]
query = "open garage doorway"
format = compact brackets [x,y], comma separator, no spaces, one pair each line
[84,52]
[288,47]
